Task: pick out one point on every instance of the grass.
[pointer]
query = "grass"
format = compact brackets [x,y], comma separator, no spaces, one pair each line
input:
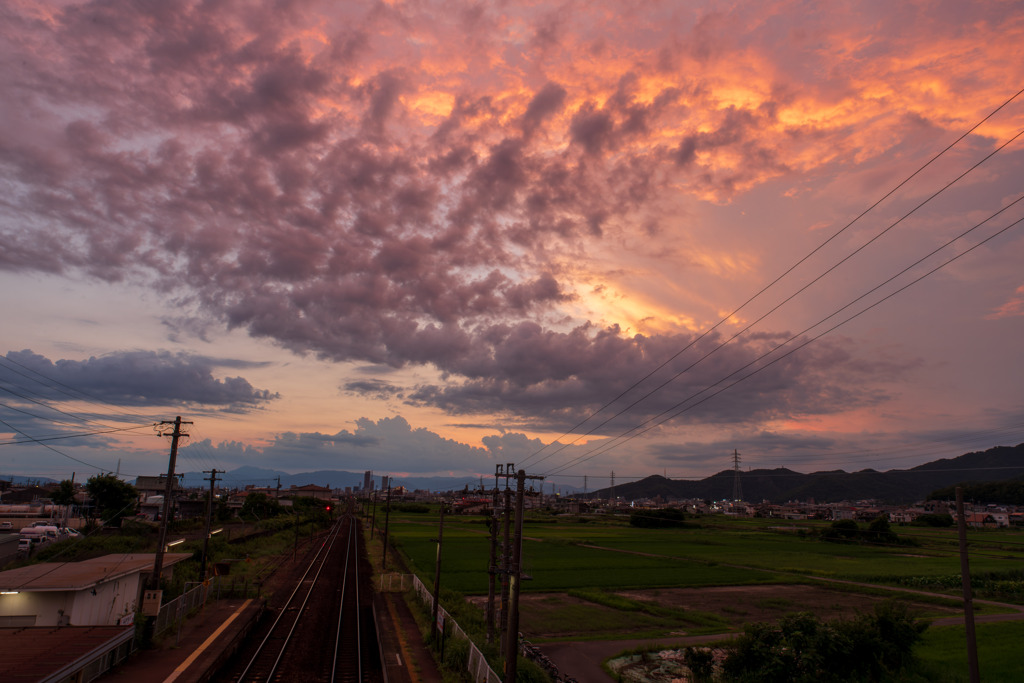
[943,652]
[557,555]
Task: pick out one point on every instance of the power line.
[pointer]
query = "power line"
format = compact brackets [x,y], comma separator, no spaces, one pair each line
[673,412]
[773,283]
[68,436]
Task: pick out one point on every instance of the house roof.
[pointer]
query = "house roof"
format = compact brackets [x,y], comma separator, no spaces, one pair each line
[37,653]
[73,576]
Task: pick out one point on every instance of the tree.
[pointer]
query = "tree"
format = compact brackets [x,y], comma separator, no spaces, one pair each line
[879,531]
[112,498]
[260,506]
[804,649]
[65,493]
[841,531]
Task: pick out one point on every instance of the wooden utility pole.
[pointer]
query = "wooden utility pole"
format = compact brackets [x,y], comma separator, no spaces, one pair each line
[515,579]
[158,563]
[437,577]
[965,580]
[209,523]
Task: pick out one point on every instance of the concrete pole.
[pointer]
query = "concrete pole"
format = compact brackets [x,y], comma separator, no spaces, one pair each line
[965,580]
[387,518]
[512,647]
[209,524]
[158,563]
[506,552]
[492,569]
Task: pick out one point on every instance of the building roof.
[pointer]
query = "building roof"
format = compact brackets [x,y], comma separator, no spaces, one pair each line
[71,576]
[155,483]
[35,653]
[309,487]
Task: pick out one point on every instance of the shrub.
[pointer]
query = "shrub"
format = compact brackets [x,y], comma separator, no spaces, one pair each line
[802,648]
[700,662]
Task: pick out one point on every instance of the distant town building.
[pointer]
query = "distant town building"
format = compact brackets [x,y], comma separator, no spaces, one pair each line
[311,491]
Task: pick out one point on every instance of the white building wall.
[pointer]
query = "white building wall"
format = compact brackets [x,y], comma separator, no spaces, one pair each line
[113,600]
[47,608]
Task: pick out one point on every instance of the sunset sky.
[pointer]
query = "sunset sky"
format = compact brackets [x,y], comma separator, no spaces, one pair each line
[429,237]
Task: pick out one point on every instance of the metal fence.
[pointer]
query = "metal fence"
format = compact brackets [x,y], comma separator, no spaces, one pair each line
[477,665]
[174,611]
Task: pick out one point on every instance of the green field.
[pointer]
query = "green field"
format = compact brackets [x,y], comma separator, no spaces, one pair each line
[610,554]
[600,579]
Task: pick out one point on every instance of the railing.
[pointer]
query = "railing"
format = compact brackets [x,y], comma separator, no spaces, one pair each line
[174,611]
[477,664]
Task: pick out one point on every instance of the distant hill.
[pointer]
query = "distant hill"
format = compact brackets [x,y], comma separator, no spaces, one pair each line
[781,485]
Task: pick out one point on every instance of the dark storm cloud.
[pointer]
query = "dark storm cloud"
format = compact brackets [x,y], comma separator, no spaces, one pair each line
[553,380]
[546,102]
[374,388]
[206,148]
[145,378]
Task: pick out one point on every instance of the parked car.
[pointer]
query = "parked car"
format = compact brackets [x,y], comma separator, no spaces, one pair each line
[6,525]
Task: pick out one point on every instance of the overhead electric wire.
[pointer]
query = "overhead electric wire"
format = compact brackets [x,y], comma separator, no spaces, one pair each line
[49,407]
[77,393]
[774,282]
[40,439]
[58,452]
[622,438]
[792,296]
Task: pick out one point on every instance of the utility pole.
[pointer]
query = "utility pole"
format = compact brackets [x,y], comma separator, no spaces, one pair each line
[209,522]
[506,552]
[437,577]
[515,579]
[387,518]
[965,580]
[373,515]
[277,493]
[611,490]
[158,563]
[492,568]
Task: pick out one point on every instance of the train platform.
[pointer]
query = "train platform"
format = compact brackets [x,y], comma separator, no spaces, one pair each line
[193,652]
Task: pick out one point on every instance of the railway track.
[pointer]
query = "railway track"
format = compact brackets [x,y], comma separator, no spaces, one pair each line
[324,630]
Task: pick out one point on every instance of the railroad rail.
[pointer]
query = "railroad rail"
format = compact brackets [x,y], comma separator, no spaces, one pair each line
[329,602]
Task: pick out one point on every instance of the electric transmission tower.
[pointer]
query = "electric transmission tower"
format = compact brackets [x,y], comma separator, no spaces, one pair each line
[737,490]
